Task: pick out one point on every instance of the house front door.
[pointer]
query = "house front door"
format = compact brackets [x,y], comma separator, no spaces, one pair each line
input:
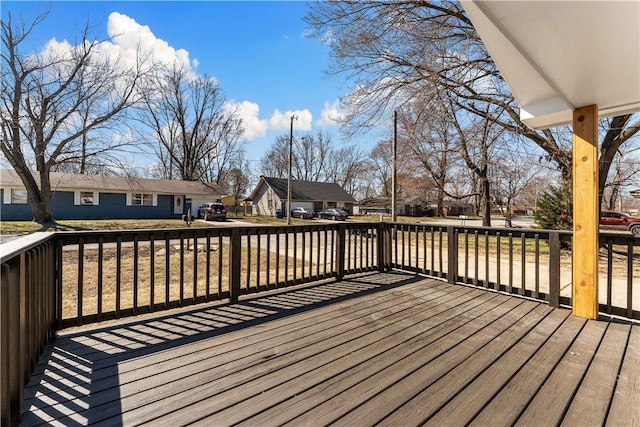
[178,205]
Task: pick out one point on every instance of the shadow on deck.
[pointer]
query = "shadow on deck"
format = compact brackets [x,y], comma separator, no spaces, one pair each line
[391,348]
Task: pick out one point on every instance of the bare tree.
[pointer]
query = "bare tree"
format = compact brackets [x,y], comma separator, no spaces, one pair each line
[345,167]
[193,133]
[309,157]
[431,137]
[382,157]
[394,52]
[53,100]
[509,179]
[275,162]
[237,184]
[626,173]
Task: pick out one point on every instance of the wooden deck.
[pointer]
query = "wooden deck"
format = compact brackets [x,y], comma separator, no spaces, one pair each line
[392,348]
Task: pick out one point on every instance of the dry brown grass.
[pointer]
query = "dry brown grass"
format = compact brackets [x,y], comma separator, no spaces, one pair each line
[218,277]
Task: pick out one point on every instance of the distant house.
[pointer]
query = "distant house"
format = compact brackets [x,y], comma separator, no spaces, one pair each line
[78,196]
[635,193]
[270,195]
[456,208]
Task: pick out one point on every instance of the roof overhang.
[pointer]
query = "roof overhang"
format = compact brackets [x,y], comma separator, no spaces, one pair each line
[557,56]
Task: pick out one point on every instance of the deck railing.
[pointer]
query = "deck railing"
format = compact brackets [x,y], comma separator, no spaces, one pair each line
[531,263]
[59,280]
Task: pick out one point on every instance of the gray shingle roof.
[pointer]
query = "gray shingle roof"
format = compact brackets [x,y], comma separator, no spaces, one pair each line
[71,181]
[306,190]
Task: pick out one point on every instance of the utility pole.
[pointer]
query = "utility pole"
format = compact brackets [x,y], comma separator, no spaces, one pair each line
[394,165]
[289,182]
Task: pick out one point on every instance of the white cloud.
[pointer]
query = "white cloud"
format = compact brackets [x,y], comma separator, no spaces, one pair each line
[254,127]
[129,40]
[129,37]
[282,121]
[331,114]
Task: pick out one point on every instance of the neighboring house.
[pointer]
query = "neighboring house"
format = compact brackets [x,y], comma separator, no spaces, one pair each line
[270,196]
[456,208]
[374,206]
[635,193]
[78,196]
[406,207]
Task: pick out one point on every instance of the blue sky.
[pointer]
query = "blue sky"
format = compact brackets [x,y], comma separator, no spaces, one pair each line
[256,50]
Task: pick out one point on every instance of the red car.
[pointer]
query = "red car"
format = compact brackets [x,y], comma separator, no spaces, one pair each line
[620,221]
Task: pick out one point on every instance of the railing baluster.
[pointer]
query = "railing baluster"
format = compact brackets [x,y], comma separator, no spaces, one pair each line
[466,256]
[629,278]
[498,262]
[167,272]
[424,250]
[475,258]
[135,274]
[325,251]
[248,266]
[486,260]
[278,257]
[152,272]
[536,294]
[510,263]
[100,280]
[304,245]
[181,297]
[441,260]
[433,251]
[80,280]
[318,247]
[609,243]
[221,266]
[523,267]
[258,259]
[286,257]
[195,269]
[207,275]
[118,275]
[295,256]
[268,272]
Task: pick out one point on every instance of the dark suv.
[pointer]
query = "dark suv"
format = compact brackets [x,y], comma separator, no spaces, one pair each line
[620,221]
[212,211]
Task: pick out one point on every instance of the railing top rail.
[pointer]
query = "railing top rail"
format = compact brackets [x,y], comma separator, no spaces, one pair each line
[490,230]
[14,248]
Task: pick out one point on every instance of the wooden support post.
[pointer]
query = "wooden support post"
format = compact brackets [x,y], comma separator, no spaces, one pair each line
[452,254]
[340,251]
[585,212]
[554,269]
[235,254]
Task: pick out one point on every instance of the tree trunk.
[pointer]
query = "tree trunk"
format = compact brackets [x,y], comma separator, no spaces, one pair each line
[485,201]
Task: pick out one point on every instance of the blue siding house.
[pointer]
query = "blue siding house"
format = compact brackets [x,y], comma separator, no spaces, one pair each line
[78,196]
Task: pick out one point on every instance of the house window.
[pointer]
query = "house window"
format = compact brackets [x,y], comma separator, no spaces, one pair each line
[86,198]
[142,199]
[19,197]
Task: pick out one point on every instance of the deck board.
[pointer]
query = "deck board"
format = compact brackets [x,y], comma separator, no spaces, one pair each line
[389,348]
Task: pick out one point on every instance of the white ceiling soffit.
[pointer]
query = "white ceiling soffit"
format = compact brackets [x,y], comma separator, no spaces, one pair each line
[557,56]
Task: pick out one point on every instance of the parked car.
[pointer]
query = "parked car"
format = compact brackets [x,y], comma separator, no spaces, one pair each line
[210,211]
[334,214]
[301,213]
[620,221]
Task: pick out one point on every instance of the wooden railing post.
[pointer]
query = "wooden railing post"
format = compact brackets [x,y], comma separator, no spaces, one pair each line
[452,254]
[382,247]
[340,251]
[554,269]
[235,254]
